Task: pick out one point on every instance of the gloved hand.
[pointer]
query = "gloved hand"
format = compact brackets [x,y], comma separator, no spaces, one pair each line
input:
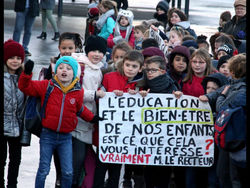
[96,119]
[28,67]
[117,39]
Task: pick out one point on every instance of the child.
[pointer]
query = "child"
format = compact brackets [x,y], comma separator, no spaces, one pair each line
[139,36]
[222,65]
[66,97]
[225,49]
[123,80]
[93,15]
[175,37]
[202,42]
[13,104]
[199,67]
[106,22]
[118,52]
[123,30]
[91,78]
[178,64]
[161,12]
[224,18]
[69,43]
[228,171]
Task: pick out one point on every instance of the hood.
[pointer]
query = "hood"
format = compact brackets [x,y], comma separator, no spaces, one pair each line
[219,78]
[183,24]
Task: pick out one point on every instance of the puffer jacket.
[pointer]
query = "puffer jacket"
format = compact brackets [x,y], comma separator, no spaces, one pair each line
[62,108]
[237,28]
[116,81]
[13,105]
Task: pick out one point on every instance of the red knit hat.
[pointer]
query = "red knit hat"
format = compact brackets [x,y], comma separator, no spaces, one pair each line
[13,48]
[93,12]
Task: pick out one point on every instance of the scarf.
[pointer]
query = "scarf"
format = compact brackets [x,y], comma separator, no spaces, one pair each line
[102,19]
[118,27]
[65,89]
[161,84]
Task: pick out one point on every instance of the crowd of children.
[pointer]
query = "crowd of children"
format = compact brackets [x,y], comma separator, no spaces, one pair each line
[122,58]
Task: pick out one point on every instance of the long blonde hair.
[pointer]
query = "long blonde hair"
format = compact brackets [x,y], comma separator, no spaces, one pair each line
[204,55]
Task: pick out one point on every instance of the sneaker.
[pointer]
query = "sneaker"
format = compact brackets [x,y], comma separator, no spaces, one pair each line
[27,53]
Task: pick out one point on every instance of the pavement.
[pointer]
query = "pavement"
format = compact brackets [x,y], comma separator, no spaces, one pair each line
[73,19]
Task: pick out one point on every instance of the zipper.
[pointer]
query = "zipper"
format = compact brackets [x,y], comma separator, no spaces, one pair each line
[61,113]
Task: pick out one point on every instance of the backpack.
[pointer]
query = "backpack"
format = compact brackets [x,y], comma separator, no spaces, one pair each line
[34,112]
[230,126]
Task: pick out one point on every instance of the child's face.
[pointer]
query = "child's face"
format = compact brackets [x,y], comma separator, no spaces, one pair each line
[119,54]
[224,69]
[179,63]
[64,73]
[123,21]
[13,64]
[67,47]
[160,11]
[138,34]
[198,66]
[174,38]
[131,69]
[95,56]
[153,70]
[175,18]
[211,86]
[216,46]
[221,53]
[102,9]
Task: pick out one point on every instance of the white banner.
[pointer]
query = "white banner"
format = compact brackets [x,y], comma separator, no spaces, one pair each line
[156,130]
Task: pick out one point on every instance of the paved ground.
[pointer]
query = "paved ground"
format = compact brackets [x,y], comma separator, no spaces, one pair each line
[203,17]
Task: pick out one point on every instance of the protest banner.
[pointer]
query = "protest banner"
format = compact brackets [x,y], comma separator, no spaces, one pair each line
[158,129]
[157,37]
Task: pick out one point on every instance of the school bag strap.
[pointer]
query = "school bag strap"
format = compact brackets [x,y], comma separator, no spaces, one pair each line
[80,111]
[47,94]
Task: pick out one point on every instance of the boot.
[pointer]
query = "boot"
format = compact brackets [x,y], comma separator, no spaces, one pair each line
[56,36]
[43,36]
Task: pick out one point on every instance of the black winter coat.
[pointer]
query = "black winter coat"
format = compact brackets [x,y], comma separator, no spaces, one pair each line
[33,7]
[237,28]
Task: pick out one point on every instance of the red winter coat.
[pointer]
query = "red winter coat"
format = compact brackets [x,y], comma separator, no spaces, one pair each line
[61,108]
[195,88]
[131,40]
[115,81]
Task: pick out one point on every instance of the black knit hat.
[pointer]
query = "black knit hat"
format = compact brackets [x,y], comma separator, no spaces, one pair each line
[226,48]
[96,43]
[222,60]
[163,5]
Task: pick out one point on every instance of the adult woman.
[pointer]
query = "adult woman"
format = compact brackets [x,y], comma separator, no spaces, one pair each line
[47,10]
[237,25]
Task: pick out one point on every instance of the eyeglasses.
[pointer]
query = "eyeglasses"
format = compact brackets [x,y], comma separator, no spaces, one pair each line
[240,8]
[151,70]
[198,62]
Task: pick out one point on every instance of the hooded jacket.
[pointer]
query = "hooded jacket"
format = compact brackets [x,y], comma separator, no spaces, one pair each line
[62,108]
[13,105]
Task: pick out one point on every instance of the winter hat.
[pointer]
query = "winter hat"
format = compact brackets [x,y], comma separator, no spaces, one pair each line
[93,12]
[223,60]
[226,48]
[96,43]
[182,50]
[189,43]
[13,48]
[240,2]
[151,51]
[70,61]
[163,5]
[219,78]
[130,16]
